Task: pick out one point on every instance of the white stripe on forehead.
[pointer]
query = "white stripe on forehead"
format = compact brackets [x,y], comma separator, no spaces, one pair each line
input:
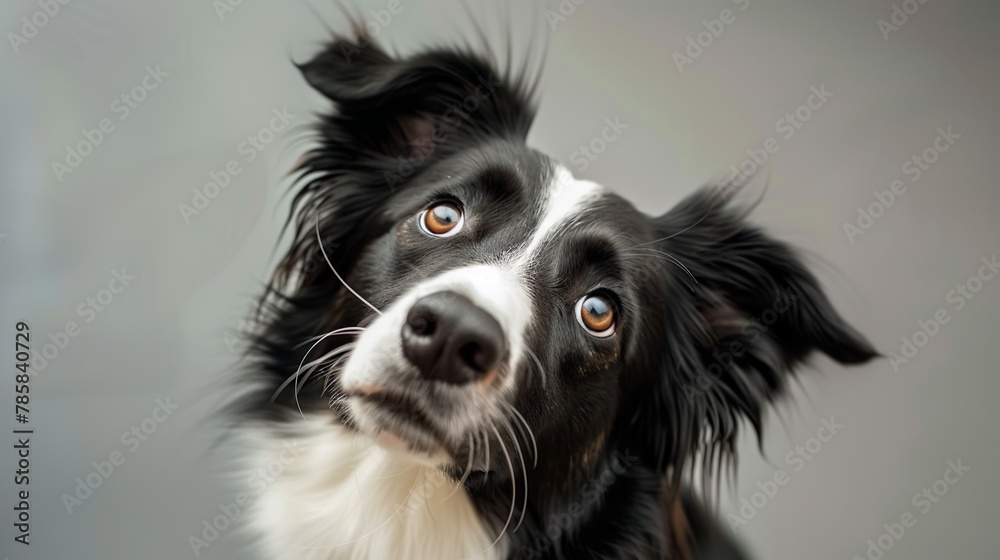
[566,196]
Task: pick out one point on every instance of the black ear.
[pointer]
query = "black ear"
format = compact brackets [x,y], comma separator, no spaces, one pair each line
[392,118]
[439,96]
[744,312]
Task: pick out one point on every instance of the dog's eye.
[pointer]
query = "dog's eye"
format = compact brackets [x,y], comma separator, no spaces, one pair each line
[596,314]
[441,220]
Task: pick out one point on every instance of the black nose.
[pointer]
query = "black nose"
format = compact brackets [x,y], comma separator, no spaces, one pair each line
[450,339]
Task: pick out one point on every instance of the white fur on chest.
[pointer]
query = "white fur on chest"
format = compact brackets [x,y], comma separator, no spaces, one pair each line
[341,496]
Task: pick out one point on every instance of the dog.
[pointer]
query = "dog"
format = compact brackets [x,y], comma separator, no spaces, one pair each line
[467,352]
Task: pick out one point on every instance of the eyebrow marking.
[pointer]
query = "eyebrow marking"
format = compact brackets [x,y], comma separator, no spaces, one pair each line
[566,197]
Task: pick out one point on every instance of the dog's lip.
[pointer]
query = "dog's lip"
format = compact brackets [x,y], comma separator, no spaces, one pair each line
[366,390]
[400,406]
[390,438]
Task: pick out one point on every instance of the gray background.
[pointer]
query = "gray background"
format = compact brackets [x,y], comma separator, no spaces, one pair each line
[174,331]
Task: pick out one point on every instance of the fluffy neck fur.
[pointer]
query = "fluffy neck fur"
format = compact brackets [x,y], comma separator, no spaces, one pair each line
[338,495]
[342,497]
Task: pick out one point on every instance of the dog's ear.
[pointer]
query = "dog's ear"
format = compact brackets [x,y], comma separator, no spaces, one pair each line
[413,107]
[392,118]
[745,311]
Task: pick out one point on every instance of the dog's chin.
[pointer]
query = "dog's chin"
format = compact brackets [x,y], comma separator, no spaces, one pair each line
[395,424]
[411,437]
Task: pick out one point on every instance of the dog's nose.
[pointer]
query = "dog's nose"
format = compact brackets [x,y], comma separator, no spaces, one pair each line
[449,338]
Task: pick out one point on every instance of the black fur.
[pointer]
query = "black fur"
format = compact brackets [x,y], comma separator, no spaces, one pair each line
[715,314]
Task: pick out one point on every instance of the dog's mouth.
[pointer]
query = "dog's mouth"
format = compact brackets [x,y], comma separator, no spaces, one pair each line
[397,421]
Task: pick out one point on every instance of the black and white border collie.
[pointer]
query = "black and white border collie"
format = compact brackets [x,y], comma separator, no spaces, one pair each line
[475,354]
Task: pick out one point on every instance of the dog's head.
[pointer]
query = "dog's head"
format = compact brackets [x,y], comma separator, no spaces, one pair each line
[508,306]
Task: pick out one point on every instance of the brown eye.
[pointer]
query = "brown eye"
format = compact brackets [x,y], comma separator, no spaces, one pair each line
[442,219]
[596,314]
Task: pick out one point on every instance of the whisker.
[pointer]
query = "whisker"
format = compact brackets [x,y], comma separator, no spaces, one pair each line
[335,273]
[531,434]
[524,472]
[672,259]
[344,330]
[408,468]
[541,370]
[330,376]
[472,456]
[312,367]
[334,403]
[486,441]
[299,370]
[513,492]
[338,350]
[468,468]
